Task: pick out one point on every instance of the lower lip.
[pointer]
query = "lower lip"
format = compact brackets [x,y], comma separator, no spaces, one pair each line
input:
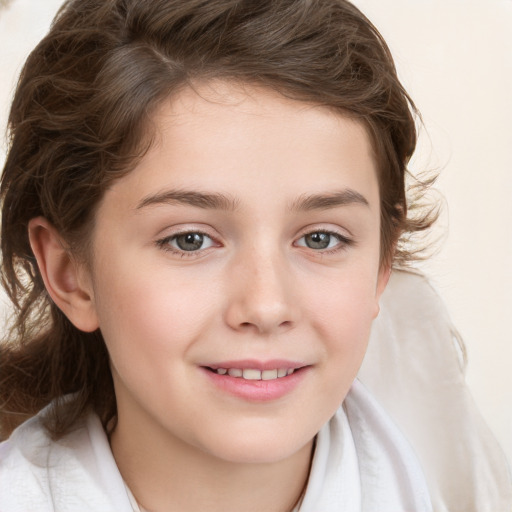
[257,390]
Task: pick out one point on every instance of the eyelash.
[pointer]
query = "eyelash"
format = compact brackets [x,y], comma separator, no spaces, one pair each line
[343,242]
[165,244]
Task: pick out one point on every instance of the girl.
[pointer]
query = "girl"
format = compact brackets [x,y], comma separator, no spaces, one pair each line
[202,203]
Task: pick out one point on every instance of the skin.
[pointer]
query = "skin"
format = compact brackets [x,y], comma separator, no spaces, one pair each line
[255,289]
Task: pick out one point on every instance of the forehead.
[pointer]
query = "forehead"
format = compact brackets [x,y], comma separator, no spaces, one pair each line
[249,126]
[253,143]
[242,107]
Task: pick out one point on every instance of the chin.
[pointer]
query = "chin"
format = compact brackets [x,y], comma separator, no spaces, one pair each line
[246,448]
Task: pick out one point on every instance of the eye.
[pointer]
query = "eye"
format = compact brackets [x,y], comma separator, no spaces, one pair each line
[187,242]
[321,240]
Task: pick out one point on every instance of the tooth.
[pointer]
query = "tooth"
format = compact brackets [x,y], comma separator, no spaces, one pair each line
[221,371]
[281,372]
[290,371]
[252,374]
[235,372]
[268,374]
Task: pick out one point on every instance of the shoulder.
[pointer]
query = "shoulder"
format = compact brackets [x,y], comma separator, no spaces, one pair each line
[22,468]
[414,368]
[74,473]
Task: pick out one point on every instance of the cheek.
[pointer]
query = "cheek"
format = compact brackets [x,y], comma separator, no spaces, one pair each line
[149,329]
[343,315]
[146,316]
[346,306]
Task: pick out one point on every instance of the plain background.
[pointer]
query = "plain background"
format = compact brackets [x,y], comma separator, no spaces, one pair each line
[455,59]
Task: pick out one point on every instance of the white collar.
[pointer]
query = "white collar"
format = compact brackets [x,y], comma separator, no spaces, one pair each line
[363,463]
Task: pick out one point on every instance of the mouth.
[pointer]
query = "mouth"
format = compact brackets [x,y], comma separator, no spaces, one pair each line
[253,373]
[257,382]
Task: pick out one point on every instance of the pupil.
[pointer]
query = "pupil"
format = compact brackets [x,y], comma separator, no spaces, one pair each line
[190,241]
[318,240]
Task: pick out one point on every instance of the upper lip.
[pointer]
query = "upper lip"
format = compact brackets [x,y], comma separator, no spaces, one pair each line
[255,364]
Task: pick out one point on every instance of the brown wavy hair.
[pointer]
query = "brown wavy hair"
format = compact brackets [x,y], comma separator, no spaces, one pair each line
[80,119]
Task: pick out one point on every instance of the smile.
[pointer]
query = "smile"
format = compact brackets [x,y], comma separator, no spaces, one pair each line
[257,381]
[254,374]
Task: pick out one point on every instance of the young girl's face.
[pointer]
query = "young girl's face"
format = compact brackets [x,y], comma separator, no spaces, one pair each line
[243,247]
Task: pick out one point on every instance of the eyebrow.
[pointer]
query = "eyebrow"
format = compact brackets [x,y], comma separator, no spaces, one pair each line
[217,201]
[344,197]
[208,201]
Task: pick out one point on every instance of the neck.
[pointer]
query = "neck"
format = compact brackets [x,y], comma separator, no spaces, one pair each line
[165,474]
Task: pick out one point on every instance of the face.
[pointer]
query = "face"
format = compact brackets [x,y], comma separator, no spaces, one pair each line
[235,272]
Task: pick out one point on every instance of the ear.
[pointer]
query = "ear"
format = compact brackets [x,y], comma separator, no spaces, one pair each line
[382,281]
[66,281]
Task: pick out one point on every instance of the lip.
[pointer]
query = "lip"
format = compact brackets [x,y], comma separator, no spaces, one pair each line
[257,390]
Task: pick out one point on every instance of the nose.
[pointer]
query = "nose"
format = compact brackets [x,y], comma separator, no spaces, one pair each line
[261,297]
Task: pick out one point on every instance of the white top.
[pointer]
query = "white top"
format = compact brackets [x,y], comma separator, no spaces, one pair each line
[415,367]
[362,463]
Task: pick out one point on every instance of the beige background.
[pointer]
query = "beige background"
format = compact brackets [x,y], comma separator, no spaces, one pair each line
[455,58]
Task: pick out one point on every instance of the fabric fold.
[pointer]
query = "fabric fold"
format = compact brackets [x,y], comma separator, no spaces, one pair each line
[414,367]
[363,463]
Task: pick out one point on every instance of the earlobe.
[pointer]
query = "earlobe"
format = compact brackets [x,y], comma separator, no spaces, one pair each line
[63,277]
